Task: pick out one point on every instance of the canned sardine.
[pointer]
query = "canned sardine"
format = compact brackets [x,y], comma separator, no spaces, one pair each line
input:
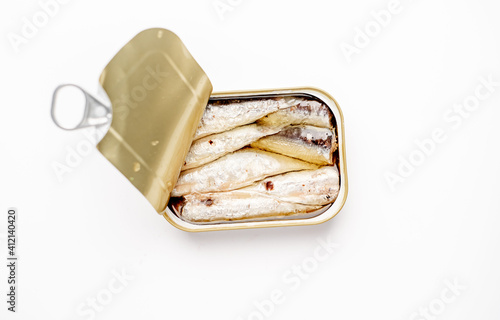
[219,161]
[262,159]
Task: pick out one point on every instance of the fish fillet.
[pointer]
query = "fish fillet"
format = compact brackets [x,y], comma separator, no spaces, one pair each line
[304,111]
[311,187]
[222,115]
[303,142]
[235,205]
[217,145]
[236,170]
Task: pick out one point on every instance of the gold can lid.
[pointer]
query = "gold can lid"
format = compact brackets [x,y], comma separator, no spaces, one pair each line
[158,94]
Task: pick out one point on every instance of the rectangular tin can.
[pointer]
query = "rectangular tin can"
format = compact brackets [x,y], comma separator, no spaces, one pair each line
[158,94]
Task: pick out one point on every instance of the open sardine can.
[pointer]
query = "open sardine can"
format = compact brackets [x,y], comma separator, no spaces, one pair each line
[159,94]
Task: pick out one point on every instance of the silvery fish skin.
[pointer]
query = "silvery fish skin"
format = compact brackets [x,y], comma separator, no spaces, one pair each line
[308,143]
[310,187]
[235,205]
[217,145]
[224,115]
[303,111]
[236,170]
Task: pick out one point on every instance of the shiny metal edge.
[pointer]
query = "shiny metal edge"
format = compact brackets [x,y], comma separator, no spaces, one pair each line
[328,214]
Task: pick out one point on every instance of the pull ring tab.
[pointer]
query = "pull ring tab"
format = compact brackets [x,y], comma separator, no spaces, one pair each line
[95,113]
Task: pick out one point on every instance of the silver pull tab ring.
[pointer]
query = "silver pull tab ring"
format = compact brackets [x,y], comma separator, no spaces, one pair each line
[95,113]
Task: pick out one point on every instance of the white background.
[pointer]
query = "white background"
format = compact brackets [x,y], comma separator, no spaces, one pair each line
[396,248]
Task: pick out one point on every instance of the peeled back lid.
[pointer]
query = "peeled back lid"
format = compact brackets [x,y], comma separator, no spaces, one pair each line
[158,93]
